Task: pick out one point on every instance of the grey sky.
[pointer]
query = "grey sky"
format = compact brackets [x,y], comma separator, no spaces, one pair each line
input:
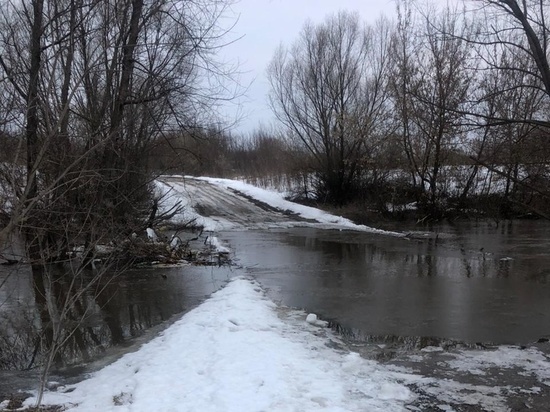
[264,25]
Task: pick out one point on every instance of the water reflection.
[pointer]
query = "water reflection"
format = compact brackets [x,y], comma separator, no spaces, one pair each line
[475,284]
[472,283]
[94,319]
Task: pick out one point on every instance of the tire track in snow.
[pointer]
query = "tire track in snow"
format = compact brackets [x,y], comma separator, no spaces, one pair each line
[225,205]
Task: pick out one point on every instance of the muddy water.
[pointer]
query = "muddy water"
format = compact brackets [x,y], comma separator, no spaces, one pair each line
[473,283]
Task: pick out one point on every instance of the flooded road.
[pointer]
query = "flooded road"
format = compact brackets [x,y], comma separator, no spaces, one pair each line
[375,288]
[381,285]
[472,282]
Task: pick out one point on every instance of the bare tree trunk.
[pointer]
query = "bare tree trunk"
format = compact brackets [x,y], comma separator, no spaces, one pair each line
[127,70]
[33,121]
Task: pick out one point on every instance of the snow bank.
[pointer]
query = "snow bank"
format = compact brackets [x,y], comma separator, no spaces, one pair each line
[532,361]
[276,200]
[234,353]
[239,351]
[179,192]
[217,245]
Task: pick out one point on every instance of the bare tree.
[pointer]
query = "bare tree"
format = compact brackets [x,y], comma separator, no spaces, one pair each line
[431,85]
[328,91]
[521,29]
[102,81]
[513,100]
[88,87]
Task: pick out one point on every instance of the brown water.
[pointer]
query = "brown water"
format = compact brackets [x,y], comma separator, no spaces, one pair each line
[469,282]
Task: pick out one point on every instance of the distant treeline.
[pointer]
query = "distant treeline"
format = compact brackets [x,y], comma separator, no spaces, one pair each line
[444,111]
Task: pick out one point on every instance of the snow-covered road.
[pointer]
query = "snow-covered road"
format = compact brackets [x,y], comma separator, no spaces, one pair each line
[220,208]
[240,352]
[223,204]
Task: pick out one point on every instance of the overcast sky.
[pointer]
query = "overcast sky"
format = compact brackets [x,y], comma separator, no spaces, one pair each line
[264,25]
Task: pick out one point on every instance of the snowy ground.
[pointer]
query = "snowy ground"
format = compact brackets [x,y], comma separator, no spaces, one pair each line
[239,351]
[227,208]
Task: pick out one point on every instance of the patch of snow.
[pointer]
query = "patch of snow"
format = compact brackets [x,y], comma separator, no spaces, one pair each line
[401,207]
[313,320]
[104,249]
[276,200]
[416,358]
[432,349]
[286,185]
[490,398]
[151,235]
[215,243]
[535,390]
[530,360]
[176,192]
[175,242]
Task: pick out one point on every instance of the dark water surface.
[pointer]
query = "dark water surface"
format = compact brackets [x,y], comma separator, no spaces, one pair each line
[131,309]
[469,282]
